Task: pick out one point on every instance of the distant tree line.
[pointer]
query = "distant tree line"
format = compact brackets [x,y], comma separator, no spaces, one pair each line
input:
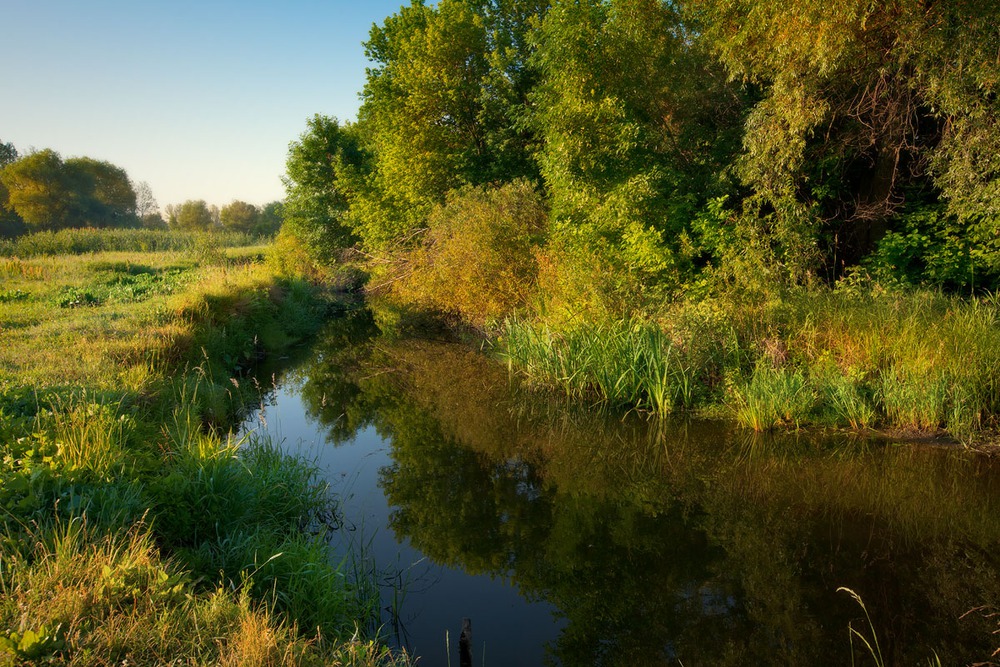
[675,146]
[197,215]
[41,191]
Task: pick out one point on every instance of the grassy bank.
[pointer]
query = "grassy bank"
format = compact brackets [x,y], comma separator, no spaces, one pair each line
[136,530]
[917,362]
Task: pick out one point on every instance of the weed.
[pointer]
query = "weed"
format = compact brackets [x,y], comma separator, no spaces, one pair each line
[873,648]
[918,361]
[772,397]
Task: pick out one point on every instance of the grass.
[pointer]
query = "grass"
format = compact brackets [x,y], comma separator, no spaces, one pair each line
[84,241]
[916,361]
[135,529]
[620,364]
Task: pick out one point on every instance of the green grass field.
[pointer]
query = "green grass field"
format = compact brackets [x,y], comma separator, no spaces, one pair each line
[136,530]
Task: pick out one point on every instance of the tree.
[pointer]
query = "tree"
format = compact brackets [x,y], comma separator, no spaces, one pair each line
[170,215]
[145,202]
[104,192]
[320,169]
[49,193]
[635,123]
[478,256]
[192,215]
[10,222]
[40,191]
[146,207]
[270,218]
[154,220]
[441,108]
[239,216]
[8,154]
[863,105]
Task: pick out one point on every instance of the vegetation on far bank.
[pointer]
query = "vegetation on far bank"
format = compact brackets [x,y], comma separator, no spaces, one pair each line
[136,528]
[786,210]
[908,362]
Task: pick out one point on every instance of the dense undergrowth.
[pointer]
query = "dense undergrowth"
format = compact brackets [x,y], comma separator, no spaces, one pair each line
[915,361]
[136,529]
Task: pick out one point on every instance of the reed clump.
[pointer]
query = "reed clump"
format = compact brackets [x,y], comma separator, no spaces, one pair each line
[623,363]
[88,240]
[912,361]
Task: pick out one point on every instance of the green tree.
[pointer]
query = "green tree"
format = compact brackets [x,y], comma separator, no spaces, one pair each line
[320,167]
[48,193]
[40,191]
[10,222]
[271,216]
[8,154]
[478,257]
[192,215]
[239,216]
[104,194]
[441,108]
[862,105]
[636,124]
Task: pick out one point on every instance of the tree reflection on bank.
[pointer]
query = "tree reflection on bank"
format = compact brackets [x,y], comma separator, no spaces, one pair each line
[662,541]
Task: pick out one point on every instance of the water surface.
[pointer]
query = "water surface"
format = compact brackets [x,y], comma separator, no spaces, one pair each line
[575,537]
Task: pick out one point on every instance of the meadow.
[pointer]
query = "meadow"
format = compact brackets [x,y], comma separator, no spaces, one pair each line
[137,527]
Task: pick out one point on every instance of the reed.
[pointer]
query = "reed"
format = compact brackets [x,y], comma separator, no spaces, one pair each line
[917,361]
[620,364]
[89,240]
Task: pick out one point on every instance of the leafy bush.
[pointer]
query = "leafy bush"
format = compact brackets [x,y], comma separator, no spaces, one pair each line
[935,249]
[477,259]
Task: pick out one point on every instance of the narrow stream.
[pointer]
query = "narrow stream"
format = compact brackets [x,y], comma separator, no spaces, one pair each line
[573,537]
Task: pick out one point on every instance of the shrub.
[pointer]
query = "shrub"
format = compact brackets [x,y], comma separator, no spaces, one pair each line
[477,259]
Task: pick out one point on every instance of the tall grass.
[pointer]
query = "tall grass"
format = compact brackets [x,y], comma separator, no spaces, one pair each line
[83,597]
[916,361]
[81,241]
[772,397]
[621,364]
[159,538]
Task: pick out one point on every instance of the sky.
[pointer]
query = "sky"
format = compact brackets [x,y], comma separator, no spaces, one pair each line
[198,98]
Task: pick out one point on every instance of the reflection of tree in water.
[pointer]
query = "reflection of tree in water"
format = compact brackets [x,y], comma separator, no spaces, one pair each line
[331,391]
[663,542]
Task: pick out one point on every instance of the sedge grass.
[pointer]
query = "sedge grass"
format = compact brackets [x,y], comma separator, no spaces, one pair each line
[89,240]
[620,364]
[917,361]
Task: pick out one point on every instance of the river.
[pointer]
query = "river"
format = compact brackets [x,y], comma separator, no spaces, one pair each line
[570,536]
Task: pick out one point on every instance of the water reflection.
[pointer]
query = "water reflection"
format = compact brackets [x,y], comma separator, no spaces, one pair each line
[660,542]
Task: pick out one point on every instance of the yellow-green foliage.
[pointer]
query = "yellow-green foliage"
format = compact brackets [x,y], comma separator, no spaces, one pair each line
[478,257]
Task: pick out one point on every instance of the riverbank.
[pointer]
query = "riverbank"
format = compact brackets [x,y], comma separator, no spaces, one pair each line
[915,363]
[136,529]
[724,545]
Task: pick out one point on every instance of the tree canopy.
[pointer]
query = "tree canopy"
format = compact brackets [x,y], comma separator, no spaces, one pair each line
[192,215]
[677,145]
[47,192]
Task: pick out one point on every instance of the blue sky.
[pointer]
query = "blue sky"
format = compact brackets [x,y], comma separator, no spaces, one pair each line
[198,98]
